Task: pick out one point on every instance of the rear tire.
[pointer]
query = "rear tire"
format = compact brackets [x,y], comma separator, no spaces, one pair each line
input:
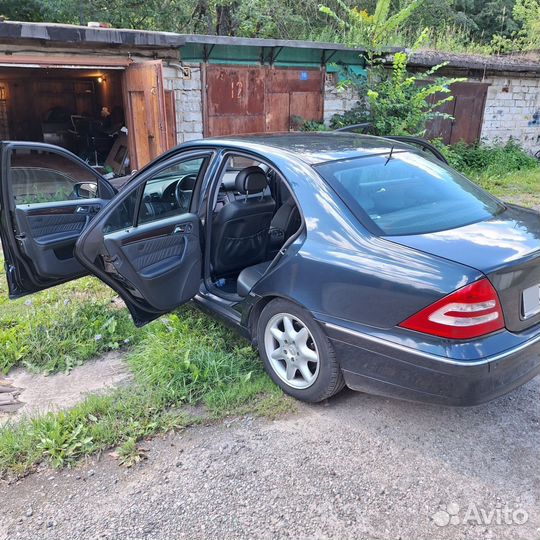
[296,352]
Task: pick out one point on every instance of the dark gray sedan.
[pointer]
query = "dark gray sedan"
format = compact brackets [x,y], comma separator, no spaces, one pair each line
[346,259]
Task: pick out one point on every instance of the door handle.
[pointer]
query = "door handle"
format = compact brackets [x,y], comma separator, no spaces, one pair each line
[183,228]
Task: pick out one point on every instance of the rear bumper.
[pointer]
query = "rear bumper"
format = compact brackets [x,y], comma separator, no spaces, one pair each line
[382,367]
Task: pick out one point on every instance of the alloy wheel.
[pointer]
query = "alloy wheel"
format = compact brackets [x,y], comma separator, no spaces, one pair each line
[291,350]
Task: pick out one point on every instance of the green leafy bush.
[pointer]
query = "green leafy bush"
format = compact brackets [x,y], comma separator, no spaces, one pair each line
[489,159]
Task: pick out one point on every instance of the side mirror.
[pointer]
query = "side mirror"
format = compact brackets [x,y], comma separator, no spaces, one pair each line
[85,190]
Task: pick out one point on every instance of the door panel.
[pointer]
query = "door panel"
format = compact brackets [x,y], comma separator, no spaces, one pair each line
[146,245]
[161,260]
[43,211]
[48,234]
[467,110]
[144,99]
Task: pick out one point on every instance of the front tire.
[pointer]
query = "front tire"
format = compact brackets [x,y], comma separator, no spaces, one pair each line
[296,352]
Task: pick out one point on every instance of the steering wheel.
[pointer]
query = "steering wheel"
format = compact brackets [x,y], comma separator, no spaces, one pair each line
[179,193]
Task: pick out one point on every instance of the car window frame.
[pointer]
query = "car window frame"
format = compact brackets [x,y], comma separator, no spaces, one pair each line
[138,181]
[173,162]
[105,190]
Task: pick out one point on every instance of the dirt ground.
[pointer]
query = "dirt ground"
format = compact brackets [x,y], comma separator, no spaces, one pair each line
[29,394]
[358,466]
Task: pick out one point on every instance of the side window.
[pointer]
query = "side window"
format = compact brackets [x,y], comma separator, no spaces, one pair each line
[42,176]
[123,215]
[170,191]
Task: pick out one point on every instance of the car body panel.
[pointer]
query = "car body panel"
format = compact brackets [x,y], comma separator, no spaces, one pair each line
[506,248]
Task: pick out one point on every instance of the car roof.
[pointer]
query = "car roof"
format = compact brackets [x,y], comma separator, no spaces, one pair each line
[313,147]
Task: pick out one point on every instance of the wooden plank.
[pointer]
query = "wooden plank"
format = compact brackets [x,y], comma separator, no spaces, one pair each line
[170,118]
[48,60]
[145,112]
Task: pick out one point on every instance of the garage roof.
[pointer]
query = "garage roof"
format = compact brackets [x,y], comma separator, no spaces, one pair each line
[213,47]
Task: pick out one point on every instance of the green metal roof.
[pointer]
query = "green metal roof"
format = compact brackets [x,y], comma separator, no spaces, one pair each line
[279,55]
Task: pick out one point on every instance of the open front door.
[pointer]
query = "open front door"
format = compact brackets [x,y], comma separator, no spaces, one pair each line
[47,197]
[145,107]
[146,243]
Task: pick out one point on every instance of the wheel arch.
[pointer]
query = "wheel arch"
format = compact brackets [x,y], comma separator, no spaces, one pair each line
[257,308]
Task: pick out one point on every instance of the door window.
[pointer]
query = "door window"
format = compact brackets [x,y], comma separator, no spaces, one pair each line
[170,191]
[42,176]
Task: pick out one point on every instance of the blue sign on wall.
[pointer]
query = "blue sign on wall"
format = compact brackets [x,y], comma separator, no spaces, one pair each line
[304,75]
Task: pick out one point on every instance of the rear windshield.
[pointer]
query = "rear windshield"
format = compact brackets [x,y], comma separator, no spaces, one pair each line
[407,193]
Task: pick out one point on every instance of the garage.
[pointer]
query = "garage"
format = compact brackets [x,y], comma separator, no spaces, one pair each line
[109,114]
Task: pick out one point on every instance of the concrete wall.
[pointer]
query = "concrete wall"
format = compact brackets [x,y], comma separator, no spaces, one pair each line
[513,110]
[188,97]
[337,100]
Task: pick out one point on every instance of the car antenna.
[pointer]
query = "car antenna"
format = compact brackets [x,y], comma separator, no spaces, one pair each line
[389,156]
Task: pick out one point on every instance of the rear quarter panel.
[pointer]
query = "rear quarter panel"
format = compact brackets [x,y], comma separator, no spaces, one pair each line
[340,270]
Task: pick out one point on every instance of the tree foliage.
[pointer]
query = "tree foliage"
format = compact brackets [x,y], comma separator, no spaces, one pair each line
[506,24]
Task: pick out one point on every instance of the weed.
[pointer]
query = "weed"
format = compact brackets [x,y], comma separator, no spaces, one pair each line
[129,453]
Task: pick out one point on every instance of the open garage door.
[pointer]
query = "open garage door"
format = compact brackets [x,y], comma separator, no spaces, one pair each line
[146,112]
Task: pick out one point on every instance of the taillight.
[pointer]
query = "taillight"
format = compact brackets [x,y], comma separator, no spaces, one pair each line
[469,312]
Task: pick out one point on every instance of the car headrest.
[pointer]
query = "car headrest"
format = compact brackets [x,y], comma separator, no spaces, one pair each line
[251,180]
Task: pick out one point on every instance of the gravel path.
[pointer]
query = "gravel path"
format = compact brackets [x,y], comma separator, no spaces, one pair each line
[357,467]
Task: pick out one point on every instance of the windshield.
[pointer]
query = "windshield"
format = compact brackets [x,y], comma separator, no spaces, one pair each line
[408,193]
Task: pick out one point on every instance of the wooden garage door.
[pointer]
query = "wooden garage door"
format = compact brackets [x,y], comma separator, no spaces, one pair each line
[467,108]
[258,99]
[145,107]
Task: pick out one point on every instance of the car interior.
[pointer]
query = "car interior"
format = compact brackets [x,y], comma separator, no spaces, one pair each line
[253,216]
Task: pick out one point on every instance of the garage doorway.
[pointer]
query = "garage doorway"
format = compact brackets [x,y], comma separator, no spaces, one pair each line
[116,119]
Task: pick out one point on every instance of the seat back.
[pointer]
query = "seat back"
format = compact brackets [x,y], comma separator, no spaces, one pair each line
[240,229]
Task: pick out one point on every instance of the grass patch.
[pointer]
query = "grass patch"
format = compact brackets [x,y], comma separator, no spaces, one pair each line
[506,170]
[59,328]
[183,359]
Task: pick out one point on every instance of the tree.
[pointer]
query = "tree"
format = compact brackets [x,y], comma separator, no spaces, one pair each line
[371,31]
[527,13]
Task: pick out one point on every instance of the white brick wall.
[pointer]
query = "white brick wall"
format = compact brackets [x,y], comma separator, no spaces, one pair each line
[337,100]
[188,98]
[511,107]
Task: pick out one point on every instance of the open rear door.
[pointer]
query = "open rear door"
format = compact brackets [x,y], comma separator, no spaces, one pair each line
[47,197]
[146,243]
[146,112]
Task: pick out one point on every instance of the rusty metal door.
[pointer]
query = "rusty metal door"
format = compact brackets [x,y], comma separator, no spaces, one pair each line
[235,100]
[243,99]
[467,108]
[293,94]
[144,103]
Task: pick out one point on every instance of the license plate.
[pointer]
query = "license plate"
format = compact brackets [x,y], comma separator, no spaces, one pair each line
[531,301]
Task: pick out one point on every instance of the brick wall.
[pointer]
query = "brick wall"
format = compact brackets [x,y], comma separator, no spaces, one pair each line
[188,97]
[513,110]
[337,100]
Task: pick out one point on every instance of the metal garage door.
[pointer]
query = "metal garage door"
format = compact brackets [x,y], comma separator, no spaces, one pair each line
[467,108]
[257,99]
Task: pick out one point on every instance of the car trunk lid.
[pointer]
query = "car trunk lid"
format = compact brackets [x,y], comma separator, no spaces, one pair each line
[505,248]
